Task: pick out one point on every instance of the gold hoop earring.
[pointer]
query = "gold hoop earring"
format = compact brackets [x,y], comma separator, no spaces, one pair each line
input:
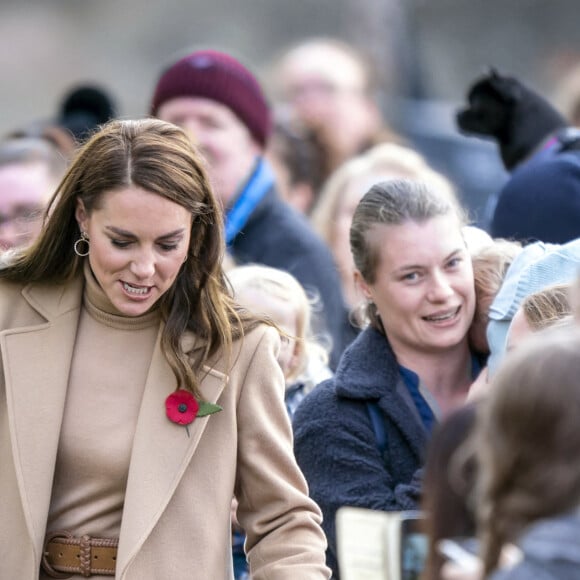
[83,239]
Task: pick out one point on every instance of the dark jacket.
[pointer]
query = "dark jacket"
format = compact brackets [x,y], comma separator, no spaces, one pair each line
[541,200]
[335,444]
[276,235]
[551,550]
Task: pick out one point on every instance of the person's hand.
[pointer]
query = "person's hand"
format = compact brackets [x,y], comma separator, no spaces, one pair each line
[509,557]
[233,515]
[480,387]
[452,571]
[504,109]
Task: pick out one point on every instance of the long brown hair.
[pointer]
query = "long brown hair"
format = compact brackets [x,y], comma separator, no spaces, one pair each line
[157,157]
[527,439]
[449,478]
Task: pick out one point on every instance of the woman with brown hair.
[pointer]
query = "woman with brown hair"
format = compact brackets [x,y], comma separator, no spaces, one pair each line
[136,398]
[450,472]
[451,469]
[527,441]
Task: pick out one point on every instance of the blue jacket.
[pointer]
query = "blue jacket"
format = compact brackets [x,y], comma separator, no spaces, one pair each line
[335,444]
[276,235]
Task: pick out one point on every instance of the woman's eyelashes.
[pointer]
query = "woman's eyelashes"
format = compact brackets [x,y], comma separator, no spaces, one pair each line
[168,247]
[411,277]
[164,246]
[120,243]
[416,275]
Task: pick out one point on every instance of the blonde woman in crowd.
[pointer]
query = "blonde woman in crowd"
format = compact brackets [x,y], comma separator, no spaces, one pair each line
[332,216]
[360,437]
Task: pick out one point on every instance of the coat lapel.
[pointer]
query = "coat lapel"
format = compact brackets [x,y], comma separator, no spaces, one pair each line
[161,453]
[36,360]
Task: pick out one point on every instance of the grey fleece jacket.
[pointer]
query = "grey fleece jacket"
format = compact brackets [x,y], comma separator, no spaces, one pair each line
[551,551]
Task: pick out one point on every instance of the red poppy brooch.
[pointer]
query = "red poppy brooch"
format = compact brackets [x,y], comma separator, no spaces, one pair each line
[183,408]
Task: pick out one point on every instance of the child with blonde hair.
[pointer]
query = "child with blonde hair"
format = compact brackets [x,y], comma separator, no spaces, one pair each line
[278,295]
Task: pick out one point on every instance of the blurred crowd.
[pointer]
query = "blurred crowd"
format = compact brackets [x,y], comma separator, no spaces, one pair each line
[430,356]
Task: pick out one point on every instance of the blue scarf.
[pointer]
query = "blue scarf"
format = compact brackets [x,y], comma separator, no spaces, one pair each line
[260,182]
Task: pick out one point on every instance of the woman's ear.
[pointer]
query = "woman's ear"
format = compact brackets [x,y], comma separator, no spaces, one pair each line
[362,285]
[81,215]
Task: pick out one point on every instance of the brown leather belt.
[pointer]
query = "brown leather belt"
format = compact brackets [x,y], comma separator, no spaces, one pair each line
[65,555]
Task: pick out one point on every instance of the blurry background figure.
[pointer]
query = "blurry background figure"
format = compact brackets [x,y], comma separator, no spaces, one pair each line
[278,295]
[332,216]
[329,86]
[545,308]
[56,135]
[83,109]
[300,163]
[575,298]
[30,170]
[80,112]
[567,95]
[534,268]
[448,482]
[476,239]
[549,307]
[541,200]
[490,264]
[221,106]
[527,441]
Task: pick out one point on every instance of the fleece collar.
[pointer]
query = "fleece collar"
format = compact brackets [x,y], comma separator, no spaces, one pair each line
[366,367]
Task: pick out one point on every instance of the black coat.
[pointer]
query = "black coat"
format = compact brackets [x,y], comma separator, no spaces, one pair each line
[276,235]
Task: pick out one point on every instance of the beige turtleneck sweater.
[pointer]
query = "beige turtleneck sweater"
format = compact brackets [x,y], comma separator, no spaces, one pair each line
[110,363]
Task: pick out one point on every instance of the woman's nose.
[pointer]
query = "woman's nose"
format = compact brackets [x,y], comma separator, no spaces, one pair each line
[441,288]
[143,266]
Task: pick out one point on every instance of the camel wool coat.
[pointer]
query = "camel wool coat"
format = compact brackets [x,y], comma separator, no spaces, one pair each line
[176,516]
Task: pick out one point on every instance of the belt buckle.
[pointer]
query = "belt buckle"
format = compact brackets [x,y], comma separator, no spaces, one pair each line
[82,559]
[46,565]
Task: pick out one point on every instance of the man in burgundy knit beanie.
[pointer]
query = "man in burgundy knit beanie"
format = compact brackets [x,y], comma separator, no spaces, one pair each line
[221,106]
[221,78]
[219,102]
